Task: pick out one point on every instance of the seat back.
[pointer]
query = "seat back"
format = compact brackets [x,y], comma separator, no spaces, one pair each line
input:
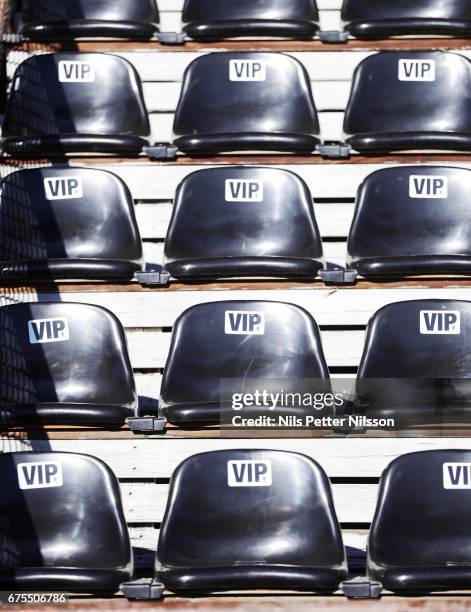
[46,11]
[76,93]
[243,220]
[221,19]
[65,217]
[421,345]
[397,92]
[64,353]
[61,510]
[247,340]
[287,496]
[381,18]
[245,92]
[422,516]
[412,219]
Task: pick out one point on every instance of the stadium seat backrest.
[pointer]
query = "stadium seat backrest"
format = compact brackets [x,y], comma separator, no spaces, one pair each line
[412,219]
[60,514]
[243,220]
[421,519]
[416,361]
[64,353]
[408,92]
[206,19]
[247,340]
[383,18]
[45,11]
[287,496]
[228,96]
[76,93]
[45,20]
[74,222]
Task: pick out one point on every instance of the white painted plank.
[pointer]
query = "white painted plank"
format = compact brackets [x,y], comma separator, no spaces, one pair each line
[329,180]
[328,95]
[149,349]
[146,502]
[334,220]
[157,458]
[329,306]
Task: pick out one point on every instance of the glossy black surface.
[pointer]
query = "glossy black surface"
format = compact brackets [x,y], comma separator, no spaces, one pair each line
[216,114]
[74,369]
[386,114]
[419,539]
[373,19]
[66,531]
[416,366]
[412,220]
[65,222]
[47,116]
[271,232]
[281,535]
[59,19]
[219,19]
[202,354]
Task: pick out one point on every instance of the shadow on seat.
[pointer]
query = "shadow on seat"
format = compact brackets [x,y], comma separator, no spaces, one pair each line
[64,103]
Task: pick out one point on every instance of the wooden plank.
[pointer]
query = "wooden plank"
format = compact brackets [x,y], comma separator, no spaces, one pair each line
[149,349]
[150,181]
[146,502]
[157,309]
[157,458]
[334,220]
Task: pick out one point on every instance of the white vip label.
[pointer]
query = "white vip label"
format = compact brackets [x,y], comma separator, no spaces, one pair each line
[40,475]
[457,475]
[416,70]
[42,331]
[440,322]
[244,323]
[247,70]
[63,188]
[243,191]
[76,72]
[429,187]
[250,473]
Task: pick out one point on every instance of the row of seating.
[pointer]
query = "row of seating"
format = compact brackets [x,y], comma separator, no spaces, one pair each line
[77,223]
[418,541]
[64,103]
[66,363]
[47,20]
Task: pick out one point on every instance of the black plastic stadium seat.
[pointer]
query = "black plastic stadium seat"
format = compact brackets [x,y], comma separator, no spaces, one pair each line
[246,340]
[56,19]
[410,220]
[75,103]
[401,101]
[419,539]
[292,540]
[219,19]
[416,364]
[376,19]
[62,524]
[63,222]
[246,101]
[64,363]
[243,221]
